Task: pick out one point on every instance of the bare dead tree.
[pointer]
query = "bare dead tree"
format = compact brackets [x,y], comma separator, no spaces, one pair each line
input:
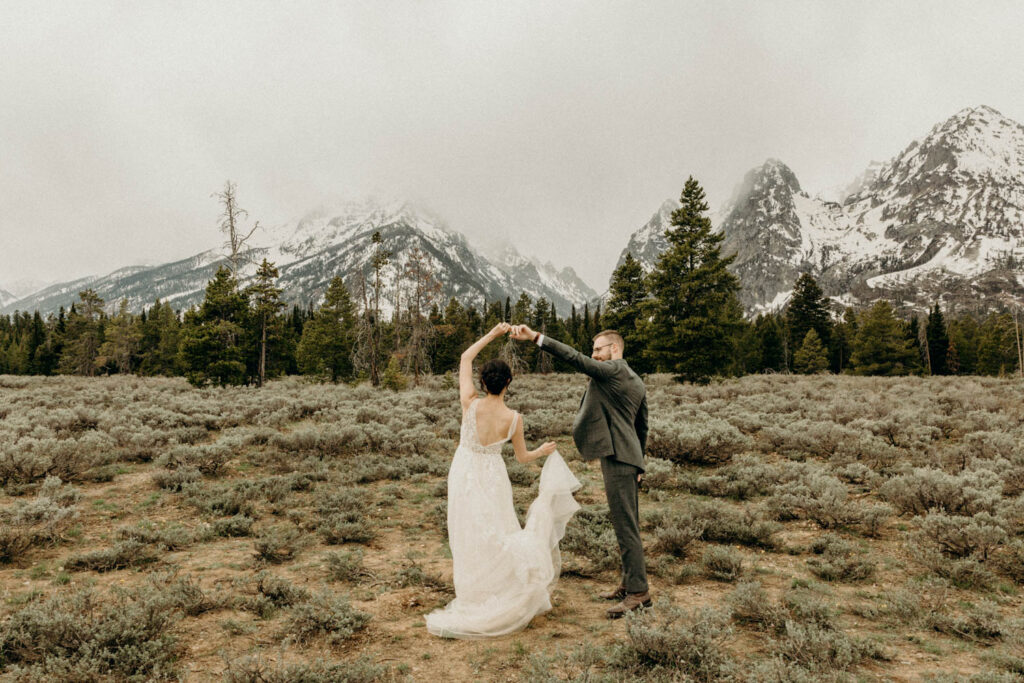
[230,225]
[425,290]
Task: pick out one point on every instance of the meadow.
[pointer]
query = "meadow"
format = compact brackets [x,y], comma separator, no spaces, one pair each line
[821,528]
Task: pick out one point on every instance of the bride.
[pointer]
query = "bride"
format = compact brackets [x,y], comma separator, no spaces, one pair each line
[503,573]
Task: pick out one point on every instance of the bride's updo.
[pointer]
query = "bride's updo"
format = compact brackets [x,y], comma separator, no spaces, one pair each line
[495,375]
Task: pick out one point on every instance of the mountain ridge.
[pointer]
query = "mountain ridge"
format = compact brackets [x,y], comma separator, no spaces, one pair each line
[941,221]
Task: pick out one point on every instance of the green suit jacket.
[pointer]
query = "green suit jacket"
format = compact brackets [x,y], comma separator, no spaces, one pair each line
[612,418]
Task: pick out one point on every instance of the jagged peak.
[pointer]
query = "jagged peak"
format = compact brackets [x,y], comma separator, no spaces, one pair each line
[978,141]
[771,174]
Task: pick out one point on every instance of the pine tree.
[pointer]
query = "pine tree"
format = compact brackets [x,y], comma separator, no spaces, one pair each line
[807,309]
[770,338]
[211,343]
[843,334]
[938,342]
[266,305]
[84,336]
[123,335]
[328,340]
[963,336]
[811,358]
[997,347]
[691,315]
[521,357]
[624,312]
[881,346]
[393,378]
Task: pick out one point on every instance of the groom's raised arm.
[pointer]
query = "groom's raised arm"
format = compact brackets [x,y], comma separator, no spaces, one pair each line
[581,362]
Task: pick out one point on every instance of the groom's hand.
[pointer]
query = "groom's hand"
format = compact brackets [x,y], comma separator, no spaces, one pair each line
[523,333]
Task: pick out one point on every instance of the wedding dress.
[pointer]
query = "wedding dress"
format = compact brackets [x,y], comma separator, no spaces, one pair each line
[503,574]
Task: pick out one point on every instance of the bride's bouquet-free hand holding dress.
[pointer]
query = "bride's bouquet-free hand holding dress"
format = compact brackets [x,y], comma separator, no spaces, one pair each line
[503,573]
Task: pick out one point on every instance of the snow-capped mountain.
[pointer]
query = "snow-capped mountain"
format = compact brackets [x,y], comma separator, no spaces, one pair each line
[310,251]
[6,298]
[940,222]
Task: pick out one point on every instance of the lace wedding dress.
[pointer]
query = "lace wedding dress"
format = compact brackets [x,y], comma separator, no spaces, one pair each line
[503,574]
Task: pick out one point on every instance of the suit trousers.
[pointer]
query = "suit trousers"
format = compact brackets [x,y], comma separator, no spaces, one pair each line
[623,491]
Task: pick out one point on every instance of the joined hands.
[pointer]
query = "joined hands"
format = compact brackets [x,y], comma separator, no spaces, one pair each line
[523,333]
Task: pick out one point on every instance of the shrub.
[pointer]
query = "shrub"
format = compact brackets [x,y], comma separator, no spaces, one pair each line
[980,622]
[342,516]
[171,537]
[238,525]
[278,544]
[818,648]
[723,563]
[255,670]
[41,520]
[964,572]
[325,615]
[824,500]
[692,642]
[590,535]
[79,637]
[187,595]
[956,536]
[727,524]
[123,555]
[660,474]
[839,561]
[751,605]
[278,591]
[922,490]
[1011,560]
[414,575]
[209,459]
[222,499]
[677,532]
[346,566]
[743,478]
[176,480]
[698,440]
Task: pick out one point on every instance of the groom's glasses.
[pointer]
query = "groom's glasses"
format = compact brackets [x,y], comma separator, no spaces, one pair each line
[598,348]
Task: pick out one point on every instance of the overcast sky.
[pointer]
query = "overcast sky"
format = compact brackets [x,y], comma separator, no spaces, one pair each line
[559,125]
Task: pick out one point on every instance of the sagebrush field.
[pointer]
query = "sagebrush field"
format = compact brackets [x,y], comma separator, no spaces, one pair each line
[797,529]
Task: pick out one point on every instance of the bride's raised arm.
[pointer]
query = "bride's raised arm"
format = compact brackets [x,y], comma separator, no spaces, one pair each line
[467,391]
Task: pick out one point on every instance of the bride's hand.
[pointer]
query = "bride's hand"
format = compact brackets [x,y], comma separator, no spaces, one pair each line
[499,329]
[547,448]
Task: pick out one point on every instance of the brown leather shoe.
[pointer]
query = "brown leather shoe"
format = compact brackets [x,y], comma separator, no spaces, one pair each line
[632,601]
[617,594]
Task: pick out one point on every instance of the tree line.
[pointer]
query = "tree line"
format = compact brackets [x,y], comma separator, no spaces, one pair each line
[683,317]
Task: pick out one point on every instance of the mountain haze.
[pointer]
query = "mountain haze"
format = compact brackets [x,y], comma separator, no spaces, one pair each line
[310,251]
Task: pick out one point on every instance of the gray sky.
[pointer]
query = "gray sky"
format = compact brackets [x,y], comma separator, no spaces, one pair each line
[559,125]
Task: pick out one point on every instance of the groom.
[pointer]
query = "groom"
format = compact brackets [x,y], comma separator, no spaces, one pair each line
[611,425]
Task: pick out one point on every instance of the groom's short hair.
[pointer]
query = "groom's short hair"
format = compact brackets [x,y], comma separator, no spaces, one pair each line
[614,336]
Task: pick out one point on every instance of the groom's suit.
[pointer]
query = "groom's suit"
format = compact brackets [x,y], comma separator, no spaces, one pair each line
[611,424]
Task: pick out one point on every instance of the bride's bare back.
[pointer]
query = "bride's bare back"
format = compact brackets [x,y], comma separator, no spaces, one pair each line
[493,421]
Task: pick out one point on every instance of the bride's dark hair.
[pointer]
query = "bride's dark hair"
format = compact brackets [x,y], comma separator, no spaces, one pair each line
[495,375]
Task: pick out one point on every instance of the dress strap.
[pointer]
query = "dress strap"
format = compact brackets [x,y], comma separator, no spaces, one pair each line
[512,427]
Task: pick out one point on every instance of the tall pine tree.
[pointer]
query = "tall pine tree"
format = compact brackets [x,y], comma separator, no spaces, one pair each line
[938,342]
[692,312]
[807,310]
[266,305]
[881,346]
[328,340]
[212,349]
[624,311]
